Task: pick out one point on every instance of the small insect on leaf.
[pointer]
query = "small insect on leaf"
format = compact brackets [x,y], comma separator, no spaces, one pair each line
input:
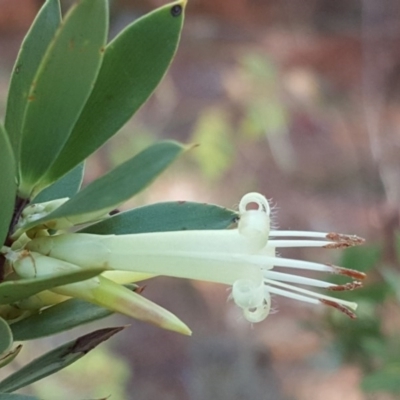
[176,10]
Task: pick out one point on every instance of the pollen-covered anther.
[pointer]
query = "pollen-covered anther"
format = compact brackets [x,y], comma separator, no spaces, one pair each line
[343,241]
[338,245]
[351,273]
[345,310]
[347,286]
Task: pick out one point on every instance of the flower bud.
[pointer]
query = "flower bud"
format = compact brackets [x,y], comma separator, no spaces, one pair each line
[98,290]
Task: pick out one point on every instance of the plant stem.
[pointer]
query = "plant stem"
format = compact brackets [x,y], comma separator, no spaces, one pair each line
[20,204]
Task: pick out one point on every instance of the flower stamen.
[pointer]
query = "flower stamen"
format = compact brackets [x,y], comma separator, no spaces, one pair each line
[309,293]
[351,273]
[349,240]
[280,276]
[339,307]
[302,243]
[346,286]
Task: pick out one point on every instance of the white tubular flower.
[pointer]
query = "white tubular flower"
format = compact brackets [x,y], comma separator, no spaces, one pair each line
[243,258]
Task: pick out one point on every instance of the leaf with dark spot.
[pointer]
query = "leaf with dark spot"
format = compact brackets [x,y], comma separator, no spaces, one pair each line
[165,217]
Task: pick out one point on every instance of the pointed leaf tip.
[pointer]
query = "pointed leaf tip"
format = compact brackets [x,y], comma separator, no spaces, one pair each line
[88,342]
[134,64]
[30,55]
[60,87]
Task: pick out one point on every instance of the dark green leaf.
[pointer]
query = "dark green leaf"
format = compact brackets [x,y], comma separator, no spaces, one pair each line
[11,291]
[10,396]
[163,217]
[61,317]
[67,186]
[134,64]
[128,179]
[60,88]
[56,359]
[30,55]
[8,184]
[6,337]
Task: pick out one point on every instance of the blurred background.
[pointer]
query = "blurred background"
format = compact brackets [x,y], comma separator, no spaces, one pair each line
[301,102]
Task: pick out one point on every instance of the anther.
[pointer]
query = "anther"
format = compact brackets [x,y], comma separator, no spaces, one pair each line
[351,273]
[344,240]
[347,286]
[339,307]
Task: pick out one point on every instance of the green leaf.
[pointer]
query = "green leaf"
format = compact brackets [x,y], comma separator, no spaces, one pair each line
[163,217]
[30,55]
[112,189]
[385,379]
[67,186]
[11,291]
[5,359]
[58,318]
[60,88]
[56,359]
[134,64]
[8,184]
[9,396]
[6,337]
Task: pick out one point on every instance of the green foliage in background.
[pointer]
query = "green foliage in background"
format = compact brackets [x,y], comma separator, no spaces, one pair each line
[367,342]
[70,92]
[215,155]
